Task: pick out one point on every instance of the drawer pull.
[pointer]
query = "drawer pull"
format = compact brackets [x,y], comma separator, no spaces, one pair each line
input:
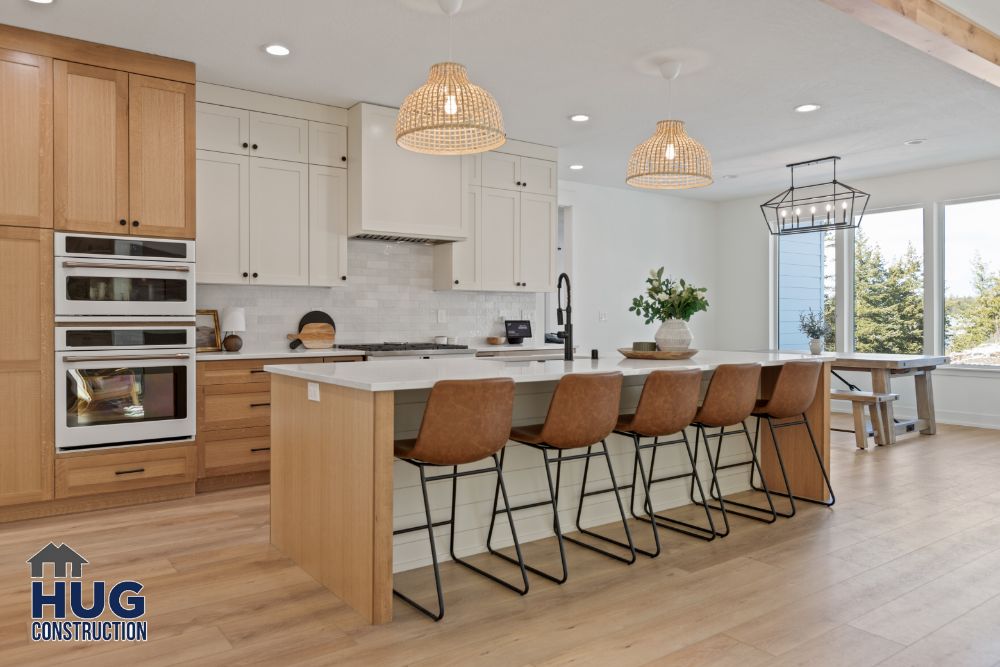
[259,405]
[260,449]
[130,472]
[257,370]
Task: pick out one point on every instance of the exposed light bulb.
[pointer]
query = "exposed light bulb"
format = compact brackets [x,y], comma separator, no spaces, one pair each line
[812,209]
[798,211]
[671,152]
[784,213]
[828,207]
[844,206]
[451,105]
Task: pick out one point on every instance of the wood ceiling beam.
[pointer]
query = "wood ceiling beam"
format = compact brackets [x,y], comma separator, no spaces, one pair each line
[933,28]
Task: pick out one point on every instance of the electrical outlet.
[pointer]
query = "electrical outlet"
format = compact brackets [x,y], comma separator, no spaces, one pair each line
[312,391]
[442,315]
[602,316]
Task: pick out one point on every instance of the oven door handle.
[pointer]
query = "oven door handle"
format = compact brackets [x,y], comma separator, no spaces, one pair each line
[139,267]
[127,357]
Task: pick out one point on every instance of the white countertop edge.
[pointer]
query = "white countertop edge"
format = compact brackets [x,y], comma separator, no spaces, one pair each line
[275,354]
[422,374]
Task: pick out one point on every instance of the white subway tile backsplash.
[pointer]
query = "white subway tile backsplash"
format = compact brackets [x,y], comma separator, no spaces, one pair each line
[388,296]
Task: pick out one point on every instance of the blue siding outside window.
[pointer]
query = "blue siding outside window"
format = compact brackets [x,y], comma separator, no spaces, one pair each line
[800,286]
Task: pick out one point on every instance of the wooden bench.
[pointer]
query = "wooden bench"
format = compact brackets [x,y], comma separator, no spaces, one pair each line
[874,401]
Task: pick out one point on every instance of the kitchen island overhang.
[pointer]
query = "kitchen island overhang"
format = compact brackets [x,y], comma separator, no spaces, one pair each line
[332,479]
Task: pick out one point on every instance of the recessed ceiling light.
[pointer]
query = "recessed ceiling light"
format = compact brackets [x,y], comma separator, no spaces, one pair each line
[42,2]
[914,142]
[729,177]
[579,118]
[807,108]
[277,49]
[576,167]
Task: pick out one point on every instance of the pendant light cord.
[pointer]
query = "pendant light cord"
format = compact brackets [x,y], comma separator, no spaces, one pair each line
[451,26]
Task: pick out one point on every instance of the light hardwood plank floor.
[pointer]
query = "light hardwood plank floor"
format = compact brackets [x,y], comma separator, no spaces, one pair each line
[905,570]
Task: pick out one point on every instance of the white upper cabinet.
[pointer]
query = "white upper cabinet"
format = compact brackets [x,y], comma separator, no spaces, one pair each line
[537,242]
[222,129]
[458,265]
[279,137]
[501,170]
[539,177]
[327,225]
[397,193]
[327,144]
[223,213]
[279,222]
[501,239]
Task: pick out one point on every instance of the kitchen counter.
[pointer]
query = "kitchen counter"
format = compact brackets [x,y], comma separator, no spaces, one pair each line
[422,374]
[275,353]
[336,492]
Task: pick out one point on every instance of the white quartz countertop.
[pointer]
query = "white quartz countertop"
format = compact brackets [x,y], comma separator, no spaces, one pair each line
[275,353]
[525,347]
[383,375]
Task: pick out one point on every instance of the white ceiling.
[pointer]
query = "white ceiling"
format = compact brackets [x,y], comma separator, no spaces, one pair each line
[750,62]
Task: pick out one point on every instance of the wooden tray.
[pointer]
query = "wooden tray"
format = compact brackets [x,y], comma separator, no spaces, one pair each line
[658,355]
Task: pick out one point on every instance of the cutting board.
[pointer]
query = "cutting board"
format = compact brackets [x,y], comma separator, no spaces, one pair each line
[316,336]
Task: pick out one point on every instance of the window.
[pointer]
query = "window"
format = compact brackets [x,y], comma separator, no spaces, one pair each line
[972,282]
[889,283]
[806,281]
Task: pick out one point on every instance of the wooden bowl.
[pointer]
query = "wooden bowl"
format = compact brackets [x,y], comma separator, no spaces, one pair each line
[495,340]
[658,355]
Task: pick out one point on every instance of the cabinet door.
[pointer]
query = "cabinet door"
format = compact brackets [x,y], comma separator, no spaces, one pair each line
[161,157]
[501,170]
[327,144]
[537,243]
[501,214]
[327,226]
[26,361]
[25,140]
[279,222]
[91,148]
[223,129]
[223,218]
[539,176]
[279,137]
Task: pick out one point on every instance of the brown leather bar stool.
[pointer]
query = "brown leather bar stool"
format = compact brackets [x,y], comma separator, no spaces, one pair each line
[729,401]
[582,413]
[667,405]
[465,421]
[793,393]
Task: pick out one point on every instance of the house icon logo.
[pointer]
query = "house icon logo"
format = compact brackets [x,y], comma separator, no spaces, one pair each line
[66,608]
[62,558]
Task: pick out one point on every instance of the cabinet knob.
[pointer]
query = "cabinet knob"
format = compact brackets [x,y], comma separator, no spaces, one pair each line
[525,184]
[254,274]
[245,144]
[123,222]
[343,158]
[518,183]
[343,277]
[135,223]
[456,282]
[245,274]
[254,147]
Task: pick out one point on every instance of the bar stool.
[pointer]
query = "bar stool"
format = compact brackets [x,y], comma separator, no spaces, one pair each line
[730,400]
[465,421]
[582,413]
[667,405]
[793,394]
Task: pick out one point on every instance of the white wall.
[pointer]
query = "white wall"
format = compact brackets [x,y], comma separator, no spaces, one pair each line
[618,236]
[744,282]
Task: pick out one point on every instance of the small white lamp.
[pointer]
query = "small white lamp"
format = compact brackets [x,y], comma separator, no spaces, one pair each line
[234,320]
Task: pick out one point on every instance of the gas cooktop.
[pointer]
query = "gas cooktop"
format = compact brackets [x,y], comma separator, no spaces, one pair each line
[406,349]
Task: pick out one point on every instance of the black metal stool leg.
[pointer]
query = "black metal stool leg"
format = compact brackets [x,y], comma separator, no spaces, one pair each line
[437,616]
[819,460]
[639,473]
[716,490]
[621,508]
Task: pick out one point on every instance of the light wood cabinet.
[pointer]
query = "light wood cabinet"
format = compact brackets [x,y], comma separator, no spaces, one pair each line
[26,366]
[25,139]
[161,157]
[125,470]
[91,148]
[223,129]
[223,218]
[279,222]
[327,225]
[279,137]
[327,144]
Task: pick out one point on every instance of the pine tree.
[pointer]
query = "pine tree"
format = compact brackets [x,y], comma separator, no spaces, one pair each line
[888,301]
[978,321]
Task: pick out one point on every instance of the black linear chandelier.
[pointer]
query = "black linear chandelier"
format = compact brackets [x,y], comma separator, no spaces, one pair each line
[816,207]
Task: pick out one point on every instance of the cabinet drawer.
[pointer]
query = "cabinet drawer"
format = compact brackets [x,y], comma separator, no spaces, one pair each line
[107,472]
[244,370]
[231,410]
[235,450]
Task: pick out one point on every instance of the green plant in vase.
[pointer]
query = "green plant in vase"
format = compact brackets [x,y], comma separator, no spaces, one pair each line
[672,303]
[815,327]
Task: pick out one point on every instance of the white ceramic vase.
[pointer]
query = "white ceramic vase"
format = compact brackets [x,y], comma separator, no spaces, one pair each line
[816,345]
[673,336]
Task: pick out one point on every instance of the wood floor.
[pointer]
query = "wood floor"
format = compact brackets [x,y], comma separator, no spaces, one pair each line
[904,571]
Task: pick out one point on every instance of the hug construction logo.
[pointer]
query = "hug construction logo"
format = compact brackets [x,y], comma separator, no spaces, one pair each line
[80,620]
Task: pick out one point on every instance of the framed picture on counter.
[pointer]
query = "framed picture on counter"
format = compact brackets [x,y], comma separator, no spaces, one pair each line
[207,336]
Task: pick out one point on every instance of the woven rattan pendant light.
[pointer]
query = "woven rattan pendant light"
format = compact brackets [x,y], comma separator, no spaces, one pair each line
[670,159]
[449,115]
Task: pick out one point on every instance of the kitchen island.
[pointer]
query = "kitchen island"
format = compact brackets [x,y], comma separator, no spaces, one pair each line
[332,473]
